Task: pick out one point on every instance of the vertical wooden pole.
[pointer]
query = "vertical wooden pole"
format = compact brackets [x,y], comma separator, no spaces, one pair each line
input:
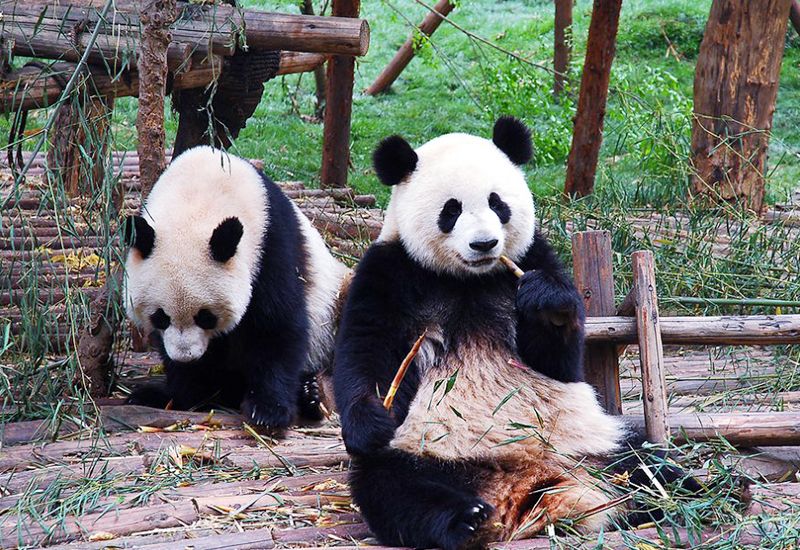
[651,353]
[338,110]
[562,43]
[794,15]
[587,134]
[405,54]
[156,17]
[307,8]
[594,277]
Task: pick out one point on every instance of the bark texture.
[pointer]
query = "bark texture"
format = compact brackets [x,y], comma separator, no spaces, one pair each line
[562,44]
[587,135]
[735,86]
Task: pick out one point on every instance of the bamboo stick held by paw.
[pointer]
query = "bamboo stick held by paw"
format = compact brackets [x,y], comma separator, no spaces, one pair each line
[512,267]
[401,372]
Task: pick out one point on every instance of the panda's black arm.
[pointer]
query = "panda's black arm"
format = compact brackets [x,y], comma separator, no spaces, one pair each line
[374,335]
[550,315]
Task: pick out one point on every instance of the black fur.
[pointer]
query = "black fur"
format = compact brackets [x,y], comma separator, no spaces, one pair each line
[408,500]
[258,365]
[394,160]
[500,208]
[513,138]
[449,215]
[225,239]
[138,234]
[419,502]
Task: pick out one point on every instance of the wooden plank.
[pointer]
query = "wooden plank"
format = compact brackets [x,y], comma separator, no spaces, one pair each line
[736,330]
[651,352]
[405,54]
[338,109]
[772,498]
[594,278]
[741,429]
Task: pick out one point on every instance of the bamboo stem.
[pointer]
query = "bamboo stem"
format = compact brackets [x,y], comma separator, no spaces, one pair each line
[512,267]
[401,372]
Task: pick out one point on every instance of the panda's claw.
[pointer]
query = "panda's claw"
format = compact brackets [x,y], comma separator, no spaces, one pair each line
[270,415]
[467,523]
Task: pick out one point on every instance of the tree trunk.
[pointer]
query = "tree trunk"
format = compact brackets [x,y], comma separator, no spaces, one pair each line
[587,134]
[339,97]
[562,47]
[156,17]
[735,86]
[307,8]
[794,15]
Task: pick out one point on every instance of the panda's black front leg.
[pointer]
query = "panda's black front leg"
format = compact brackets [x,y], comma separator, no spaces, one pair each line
[550,317]
[274,372]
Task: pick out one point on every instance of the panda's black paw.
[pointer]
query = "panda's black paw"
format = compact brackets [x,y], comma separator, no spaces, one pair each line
[150,395]
[466,523]
[550,297]
[366,428]
[309,401]
[266,413]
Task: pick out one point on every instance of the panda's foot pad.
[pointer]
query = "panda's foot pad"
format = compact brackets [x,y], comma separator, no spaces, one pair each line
[309,402]
[465,524]
[266,414]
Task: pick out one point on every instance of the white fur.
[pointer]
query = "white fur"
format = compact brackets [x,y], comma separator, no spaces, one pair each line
[469,169]
[323,284]
[199,189]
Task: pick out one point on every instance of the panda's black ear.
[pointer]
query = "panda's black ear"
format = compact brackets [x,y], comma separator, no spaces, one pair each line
[513,138]
[394,160]
[138,234]
[225,239]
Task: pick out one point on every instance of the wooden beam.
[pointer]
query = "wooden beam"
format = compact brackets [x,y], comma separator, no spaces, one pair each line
[594,278]
[651,352]
[587,134]
[338,110]
[751,330]
[405,54]
[738,428]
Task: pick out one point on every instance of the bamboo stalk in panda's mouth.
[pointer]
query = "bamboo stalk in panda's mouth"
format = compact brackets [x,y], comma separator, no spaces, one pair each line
[512,267]
[401,372]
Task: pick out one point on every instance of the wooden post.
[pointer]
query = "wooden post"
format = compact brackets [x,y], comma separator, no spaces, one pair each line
[742,48]
[405,54]
[307,8]
[338,110]
[794,15]
[594,277]
[651,352]
[562,43]
[587,134]
[156,17]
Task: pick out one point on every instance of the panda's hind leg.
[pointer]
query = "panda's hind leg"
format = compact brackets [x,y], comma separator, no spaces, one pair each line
[419,502]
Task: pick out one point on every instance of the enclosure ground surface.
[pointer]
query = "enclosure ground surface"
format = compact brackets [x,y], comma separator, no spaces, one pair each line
[116,476]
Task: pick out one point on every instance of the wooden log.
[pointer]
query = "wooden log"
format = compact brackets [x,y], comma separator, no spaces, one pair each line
[156,17]
[651,352]
[769,499]
[338,110]
[751,330]
[300,62]
[405,54]
[743,47]
[214,27]
[587,134]
[562,44]
[594,278]
[746,429]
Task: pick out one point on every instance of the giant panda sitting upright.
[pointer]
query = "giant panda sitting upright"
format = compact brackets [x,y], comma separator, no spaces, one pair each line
[492,429]
[235,286]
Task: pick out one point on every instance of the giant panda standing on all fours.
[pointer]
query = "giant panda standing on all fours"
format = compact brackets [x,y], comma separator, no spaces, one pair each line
[237,289]
[492,429]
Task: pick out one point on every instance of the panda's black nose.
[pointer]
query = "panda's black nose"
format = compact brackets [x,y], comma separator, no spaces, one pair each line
[483,246]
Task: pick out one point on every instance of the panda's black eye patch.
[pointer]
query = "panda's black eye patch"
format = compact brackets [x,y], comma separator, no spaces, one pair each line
[449,215]
[205,319]
[160,320]
[500,208]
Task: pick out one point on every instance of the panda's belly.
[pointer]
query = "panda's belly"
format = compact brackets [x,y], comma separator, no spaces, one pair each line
[473,402]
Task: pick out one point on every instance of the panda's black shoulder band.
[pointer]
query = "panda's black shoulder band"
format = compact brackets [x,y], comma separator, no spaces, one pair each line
[394,159]
[512,137]
[138,234]
[225,239]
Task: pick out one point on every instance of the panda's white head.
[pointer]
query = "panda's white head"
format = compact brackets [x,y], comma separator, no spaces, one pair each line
[459,202]
[195,251]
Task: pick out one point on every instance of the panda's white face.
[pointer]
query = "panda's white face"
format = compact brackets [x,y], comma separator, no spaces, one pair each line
[197,248]
[463,206]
